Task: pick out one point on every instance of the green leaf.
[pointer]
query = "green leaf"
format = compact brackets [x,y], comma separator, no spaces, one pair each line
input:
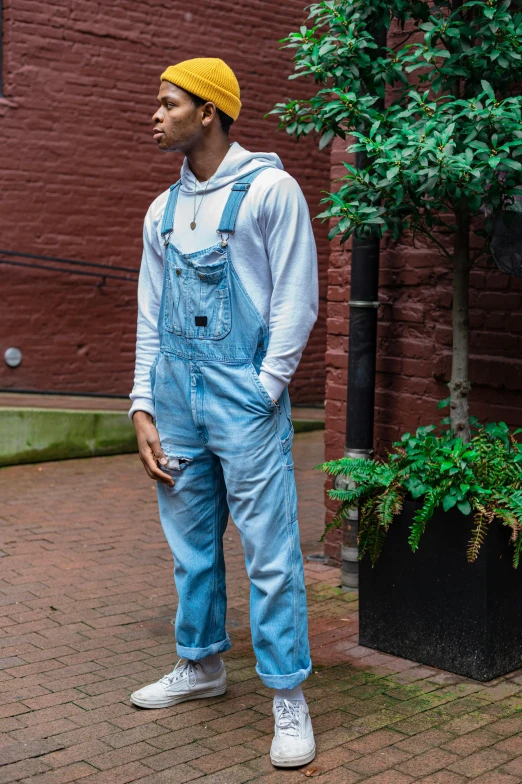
[475,202]
[512,164]
[488,89]
[326,138]
[449,501]
[464,507]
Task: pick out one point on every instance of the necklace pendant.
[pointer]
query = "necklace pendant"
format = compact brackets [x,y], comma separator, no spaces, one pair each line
[193,225]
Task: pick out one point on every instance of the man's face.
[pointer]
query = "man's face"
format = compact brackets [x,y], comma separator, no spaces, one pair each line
[177,122]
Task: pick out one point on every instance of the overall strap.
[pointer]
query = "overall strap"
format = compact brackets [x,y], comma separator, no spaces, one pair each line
[168,216]
[227,224]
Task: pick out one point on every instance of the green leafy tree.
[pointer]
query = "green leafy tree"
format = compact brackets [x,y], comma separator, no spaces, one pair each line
[442,152]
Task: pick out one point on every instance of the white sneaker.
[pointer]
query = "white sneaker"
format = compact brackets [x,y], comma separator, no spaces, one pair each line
[187,681]
[293,743]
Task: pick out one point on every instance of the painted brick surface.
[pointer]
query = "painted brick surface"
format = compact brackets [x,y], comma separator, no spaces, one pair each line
[414,343]
[78,167]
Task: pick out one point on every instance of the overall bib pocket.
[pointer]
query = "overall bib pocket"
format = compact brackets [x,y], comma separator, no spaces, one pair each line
[197,300]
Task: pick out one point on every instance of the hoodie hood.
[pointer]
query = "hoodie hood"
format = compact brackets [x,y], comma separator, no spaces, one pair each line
[236,163]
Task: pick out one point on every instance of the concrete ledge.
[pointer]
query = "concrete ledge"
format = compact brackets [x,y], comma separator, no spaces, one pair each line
[31,435]
[306,425]
[34,435]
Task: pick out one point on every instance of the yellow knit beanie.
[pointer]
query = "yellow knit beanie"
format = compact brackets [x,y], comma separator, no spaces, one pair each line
[209,78]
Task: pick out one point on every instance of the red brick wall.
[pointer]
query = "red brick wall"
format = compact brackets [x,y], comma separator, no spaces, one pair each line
[78,167]
[414,343]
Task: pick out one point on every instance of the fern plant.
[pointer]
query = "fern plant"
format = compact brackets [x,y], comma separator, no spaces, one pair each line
[483,479]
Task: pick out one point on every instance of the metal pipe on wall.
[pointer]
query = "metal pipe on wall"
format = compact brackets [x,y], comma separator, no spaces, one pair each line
[362,352]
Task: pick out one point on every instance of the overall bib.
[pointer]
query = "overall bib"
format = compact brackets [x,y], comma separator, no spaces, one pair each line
[229,449]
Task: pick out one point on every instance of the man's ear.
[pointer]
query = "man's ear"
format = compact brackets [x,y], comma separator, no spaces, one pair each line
[209,112]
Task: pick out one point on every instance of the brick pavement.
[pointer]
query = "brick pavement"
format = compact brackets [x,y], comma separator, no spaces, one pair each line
[86,602]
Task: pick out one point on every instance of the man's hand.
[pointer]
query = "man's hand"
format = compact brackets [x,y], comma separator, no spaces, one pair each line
[150,449]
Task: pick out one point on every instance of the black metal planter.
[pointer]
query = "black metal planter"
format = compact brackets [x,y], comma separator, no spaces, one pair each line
[434,607]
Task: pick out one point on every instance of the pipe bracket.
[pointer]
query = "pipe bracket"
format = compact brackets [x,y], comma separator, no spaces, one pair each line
[361,303]
[359,453]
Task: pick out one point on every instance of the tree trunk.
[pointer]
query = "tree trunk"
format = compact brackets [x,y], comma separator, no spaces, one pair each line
[459,384]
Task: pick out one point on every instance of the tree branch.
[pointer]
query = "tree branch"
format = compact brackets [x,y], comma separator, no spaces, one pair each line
[394,48]
[441,247]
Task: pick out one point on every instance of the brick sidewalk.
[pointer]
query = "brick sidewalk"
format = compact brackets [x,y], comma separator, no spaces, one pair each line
[86,602]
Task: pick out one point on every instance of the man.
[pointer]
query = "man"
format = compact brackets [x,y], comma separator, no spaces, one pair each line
[227,297]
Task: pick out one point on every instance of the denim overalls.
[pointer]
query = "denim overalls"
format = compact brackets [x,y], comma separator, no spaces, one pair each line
[229,448]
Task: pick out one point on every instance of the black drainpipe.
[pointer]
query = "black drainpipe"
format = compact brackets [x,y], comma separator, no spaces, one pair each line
[362,350]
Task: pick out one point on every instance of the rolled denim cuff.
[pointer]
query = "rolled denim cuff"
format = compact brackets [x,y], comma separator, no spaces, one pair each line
[285,681]
[195,654]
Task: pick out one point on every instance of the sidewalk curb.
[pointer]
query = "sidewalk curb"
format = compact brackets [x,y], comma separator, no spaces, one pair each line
[33,435]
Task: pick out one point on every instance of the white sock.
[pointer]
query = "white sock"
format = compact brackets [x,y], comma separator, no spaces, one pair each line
[290,694]
[211,663]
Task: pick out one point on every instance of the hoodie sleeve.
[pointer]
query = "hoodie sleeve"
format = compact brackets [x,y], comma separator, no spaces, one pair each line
[149,299]
[290,244]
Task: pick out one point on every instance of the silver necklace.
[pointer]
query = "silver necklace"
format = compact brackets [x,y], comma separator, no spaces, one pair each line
[193,223]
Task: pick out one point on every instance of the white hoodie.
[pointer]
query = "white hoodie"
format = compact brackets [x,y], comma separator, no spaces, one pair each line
[273,252]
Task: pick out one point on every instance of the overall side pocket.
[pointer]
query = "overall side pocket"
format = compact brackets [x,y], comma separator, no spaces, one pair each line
[265,397]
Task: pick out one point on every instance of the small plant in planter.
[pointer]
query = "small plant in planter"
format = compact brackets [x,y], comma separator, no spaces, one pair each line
[432,499]
[482,479]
